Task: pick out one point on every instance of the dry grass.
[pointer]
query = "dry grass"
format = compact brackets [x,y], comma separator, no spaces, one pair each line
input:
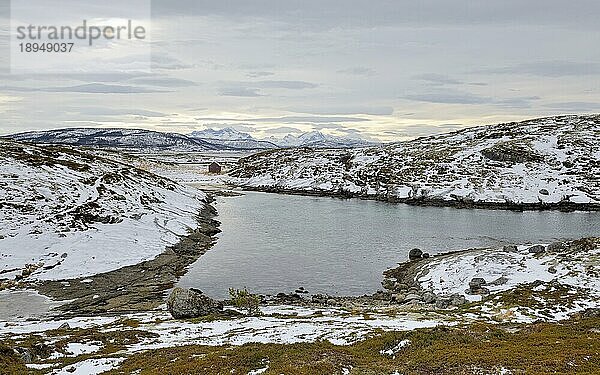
[571,347]
[541,348]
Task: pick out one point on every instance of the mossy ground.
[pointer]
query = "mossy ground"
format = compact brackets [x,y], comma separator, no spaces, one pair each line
[541,348]
[571,346]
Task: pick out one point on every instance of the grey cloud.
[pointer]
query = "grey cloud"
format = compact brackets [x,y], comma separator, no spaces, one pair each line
[314,119]
[252,89]
[82,77]
[358,71]
[256,66]
[518,102]
[240,91]
[259,74]
[164,82]
[284,130]
[548,69]
[292,85]
[290,119]
[344,110]
[169,63]
[100,88]
[103,111]
[574,107]
[18,88]
[316,14]
[333,125]
[437,79]
[450,98]
[460,97]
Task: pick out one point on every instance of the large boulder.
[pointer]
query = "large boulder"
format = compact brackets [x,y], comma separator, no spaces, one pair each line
[537,249]
[191,303]
[477,286]
[477,282]
[415,254]
[558,246]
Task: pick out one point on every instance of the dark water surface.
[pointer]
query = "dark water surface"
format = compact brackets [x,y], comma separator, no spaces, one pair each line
[272,243]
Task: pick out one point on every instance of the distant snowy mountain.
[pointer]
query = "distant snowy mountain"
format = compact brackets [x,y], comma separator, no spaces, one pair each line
[226,134]
[118,138]
[317,139]
[201,140]
[231,138]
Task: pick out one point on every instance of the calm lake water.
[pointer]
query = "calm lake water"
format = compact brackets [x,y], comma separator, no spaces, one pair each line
[276,243]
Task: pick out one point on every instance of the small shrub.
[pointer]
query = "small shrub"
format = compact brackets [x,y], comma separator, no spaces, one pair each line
[243,299]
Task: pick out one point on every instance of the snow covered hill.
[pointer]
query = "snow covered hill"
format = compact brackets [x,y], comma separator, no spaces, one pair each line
[67,214]
[547,162]
[317,139]
[132,139]
[240,140]
[226,134]
[232,138]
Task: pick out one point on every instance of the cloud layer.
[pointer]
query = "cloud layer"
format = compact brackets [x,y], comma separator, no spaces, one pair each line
[387,69]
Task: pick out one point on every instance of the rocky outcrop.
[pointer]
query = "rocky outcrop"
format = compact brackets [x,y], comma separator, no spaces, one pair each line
[477,286]
[537,249]
[511,152]
[191,303]
[403,286]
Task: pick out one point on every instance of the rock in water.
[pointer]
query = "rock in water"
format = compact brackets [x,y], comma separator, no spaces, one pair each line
[186,303]
[415,254]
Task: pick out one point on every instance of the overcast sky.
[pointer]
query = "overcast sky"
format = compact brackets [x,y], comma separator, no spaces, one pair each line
[388,70]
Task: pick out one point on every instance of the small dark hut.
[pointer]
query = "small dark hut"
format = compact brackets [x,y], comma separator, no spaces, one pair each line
[214,168]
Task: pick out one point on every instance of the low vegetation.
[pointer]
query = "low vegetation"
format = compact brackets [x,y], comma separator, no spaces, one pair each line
[245,300]
[542,348]
[572,347]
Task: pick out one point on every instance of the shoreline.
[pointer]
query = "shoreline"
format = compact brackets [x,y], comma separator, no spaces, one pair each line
[136,288]
[459,204]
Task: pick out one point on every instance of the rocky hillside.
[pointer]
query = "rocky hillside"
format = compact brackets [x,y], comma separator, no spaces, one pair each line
[68,214]
[542,163]
[130,139]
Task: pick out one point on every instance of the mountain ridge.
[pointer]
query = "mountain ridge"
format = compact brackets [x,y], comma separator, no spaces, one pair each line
[115,137]
[227,139]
